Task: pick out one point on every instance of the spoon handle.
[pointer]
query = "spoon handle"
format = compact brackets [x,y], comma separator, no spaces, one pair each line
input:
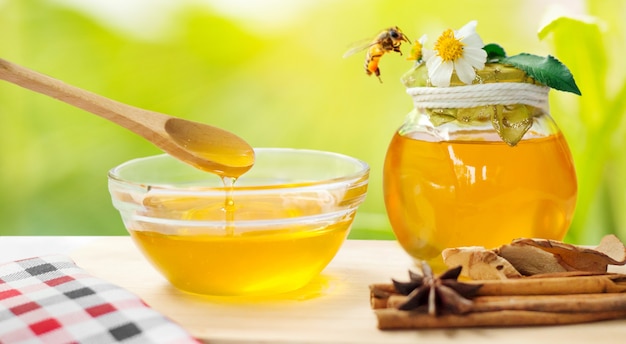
[143,122]
[203,146]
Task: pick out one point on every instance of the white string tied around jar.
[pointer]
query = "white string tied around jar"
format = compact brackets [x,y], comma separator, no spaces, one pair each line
[468,96]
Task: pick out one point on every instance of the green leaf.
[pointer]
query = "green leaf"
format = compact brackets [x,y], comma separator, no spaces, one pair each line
[581,45]
[495,52]
[547,70]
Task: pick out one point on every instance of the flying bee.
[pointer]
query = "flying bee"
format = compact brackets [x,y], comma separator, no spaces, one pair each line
[388,40]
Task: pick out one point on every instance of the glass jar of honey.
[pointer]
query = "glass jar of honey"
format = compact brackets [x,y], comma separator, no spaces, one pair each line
[477,165]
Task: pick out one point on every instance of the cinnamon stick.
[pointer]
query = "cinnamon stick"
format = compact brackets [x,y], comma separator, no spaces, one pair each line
[516,302]
[592,284]
[538,303]
[390,318]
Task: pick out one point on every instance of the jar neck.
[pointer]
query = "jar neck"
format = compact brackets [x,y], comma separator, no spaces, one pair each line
[503,96]
[509,124]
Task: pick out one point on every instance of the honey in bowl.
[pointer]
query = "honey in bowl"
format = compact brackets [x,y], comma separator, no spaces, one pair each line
[273,231]
[243,258]
[256,261]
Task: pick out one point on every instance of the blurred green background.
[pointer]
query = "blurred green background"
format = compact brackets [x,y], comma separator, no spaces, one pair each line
[272,72]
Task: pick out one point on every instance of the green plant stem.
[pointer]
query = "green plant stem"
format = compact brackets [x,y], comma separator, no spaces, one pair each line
[592,171]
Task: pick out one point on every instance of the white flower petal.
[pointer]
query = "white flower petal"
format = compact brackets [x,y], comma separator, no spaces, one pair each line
[427,54]
[464,71]
[475,57]
[440,76]
[432,59]
[423,39]
[472,40]
[467,29]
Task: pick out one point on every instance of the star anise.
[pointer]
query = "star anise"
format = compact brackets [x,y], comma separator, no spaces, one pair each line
[437,295]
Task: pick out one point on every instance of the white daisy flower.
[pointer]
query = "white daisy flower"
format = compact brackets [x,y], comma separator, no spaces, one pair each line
[461,51]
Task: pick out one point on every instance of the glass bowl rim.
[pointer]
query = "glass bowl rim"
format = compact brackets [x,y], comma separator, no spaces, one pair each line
[362,171]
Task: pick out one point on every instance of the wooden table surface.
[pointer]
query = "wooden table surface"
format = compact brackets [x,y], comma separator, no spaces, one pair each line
[334,308]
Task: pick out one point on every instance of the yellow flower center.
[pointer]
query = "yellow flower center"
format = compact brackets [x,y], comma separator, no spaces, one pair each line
[416,52]
[448,47]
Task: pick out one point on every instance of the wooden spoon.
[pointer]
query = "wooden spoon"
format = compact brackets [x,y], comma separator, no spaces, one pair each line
[203,146]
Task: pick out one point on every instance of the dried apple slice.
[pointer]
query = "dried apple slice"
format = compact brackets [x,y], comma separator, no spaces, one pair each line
[613,248]
[479,263]
[554,256]
[527,257]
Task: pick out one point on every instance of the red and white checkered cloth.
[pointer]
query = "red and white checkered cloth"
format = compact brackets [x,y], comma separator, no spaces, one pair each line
[51,300]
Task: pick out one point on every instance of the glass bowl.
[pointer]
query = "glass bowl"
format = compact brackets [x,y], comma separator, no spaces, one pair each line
[273,231]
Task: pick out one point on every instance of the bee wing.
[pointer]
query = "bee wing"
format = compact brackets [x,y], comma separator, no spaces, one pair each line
[358,46]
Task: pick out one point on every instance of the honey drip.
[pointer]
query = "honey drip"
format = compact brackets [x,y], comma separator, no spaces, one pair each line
[229,204]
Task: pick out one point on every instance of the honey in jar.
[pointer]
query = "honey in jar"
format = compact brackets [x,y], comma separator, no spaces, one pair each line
[452,179]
